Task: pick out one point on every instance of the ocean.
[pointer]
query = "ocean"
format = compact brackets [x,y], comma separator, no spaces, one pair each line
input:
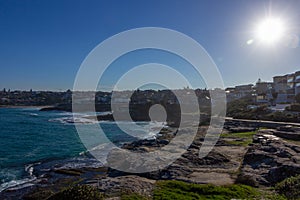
[31,139]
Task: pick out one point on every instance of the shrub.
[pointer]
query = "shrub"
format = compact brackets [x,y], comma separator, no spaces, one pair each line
[289,187]
[79,192]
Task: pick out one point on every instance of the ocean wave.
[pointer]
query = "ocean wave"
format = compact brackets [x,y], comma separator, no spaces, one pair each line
[33,114]
[73,120]
[83,113]
[30,167]
[39,169]
[78,118]
[79,162]
[17,184]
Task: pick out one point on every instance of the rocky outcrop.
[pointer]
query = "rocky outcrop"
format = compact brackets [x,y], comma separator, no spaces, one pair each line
[269,160]
[219,167]
[125,184]
[240,129]
[288,132]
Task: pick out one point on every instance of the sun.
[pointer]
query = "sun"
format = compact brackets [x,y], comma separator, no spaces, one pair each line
[270,30]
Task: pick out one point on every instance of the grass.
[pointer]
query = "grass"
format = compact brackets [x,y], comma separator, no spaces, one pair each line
[177,190]
[181,190]
[241,139]
[243,143]
[239,135]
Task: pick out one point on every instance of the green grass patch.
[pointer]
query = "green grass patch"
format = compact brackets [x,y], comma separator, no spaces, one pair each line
[243,143]
[239,135]
[239,139]
[181,190]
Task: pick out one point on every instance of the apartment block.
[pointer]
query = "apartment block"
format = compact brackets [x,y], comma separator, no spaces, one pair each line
[287,87]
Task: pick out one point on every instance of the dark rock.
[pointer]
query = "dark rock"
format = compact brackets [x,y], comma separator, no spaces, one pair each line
[247,179]
[72,172]
[38,193]
[288,135]
[288,128]
[163,142]
[241,129]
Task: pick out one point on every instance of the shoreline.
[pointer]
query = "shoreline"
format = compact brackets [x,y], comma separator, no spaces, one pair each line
[21,106]
[227,164]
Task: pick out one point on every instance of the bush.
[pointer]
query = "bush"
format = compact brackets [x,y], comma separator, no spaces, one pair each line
[79,192]
[289,187]
[294,107]
[238,106]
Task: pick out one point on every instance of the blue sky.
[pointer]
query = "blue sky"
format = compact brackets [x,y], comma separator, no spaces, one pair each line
[43,43]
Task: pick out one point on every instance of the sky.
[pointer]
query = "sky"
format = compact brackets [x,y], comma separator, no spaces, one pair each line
[43,43]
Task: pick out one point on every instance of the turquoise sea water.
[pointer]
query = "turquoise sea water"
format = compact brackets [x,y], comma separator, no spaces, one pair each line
[30,137]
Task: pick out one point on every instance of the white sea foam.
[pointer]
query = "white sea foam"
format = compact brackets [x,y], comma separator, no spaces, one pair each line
[83,113]
[17,184]
[79,118]
[72,120]
[80,162]
[20,183]
[30,167]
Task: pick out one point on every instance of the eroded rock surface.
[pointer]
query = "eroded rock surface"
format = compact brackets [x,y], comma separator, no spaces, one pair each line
[269,160]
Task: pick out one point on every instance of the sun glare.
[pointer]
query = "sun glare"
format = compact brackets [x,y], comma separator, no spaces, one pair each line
[270,30]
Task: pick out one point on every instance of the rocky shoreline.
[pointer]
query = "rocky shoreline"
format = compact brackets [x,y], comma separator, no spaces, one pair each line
[247,155]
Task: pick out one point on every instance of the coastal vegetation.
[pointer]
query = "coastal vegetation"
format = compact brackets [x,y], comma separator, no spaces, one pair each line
[177,190]
[241,109]
[241,138]
[181,190]
[289,187]
[79,192]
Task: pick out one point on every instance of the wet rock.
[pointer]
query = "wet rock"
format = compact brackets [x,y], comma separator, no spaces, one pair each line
[163,141]
[71,172]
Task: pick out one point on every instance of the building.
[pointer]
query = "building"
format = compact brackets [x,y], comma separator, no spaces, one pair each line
[239,91]
[297,82]
[280,88]
[263,92]
[287,87]
[280,84]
